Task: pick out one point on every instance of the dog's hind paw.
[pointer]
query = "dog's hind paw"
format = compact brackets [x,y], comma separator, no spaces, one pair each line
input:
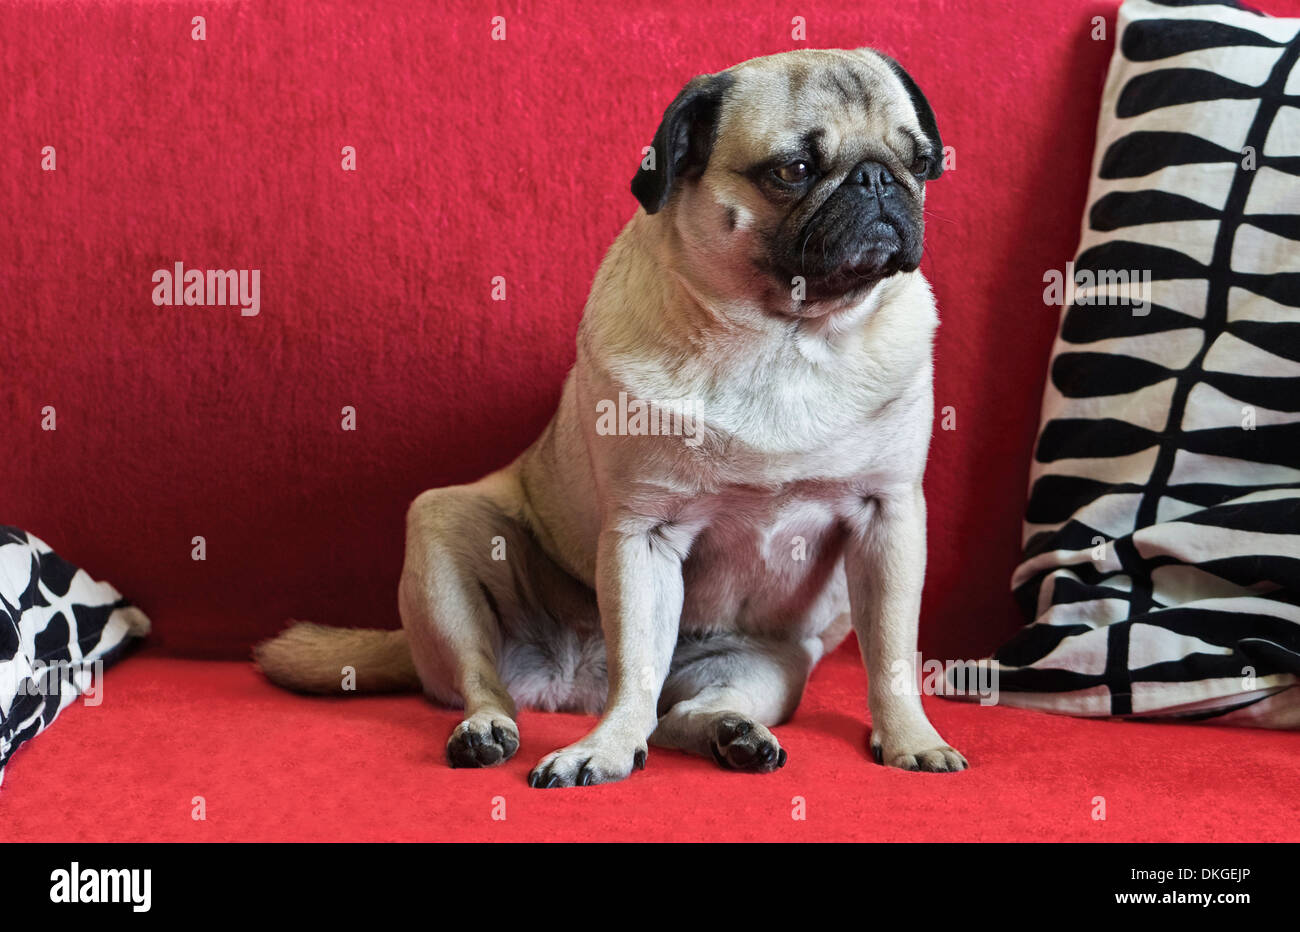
[738,743]
[483,741]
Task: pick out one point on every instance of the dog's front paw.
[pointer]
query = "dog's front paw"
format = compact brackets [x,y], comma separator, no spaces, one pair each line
[586,763]
[934,760]
[738,743]
[925,751]
[483,741]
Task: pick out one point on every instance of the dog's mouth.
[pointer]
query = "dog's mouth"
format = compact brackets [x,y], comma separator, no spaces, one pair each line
[871,258]
[838,256]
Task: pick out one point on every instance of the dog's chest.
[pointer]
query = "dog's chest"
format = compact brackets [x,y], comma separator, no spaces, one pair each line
[769,418]
[768,561]
[775,409]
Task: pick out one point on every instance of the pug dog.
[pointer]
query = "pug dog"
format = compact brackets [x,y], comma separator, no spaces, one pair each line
[732,480]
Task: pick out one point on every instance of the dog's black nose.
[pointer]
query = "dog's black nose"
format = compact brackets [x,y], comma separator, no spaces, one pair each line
[872,175]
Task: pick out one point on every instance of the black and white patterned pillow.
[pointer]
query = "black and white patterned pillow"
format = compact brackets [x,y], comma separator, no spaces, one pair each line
[58,629]
[1161,567]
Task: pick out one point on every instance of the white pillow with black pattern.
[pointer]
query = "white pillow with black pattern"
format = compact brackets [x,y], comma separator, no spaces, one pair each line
[1161,568]
[58,629]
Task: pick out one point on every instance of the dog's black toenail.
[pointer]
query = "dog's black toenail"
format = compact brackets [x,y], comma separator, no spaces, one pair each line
[878,753]
[638,759]
[552,781]
[767,753]
[780,759]
[585,775]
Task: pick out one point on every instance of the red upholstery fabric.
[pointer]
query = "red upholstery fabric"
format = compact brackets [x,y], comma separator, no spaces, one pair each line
[478,159]
[274,766]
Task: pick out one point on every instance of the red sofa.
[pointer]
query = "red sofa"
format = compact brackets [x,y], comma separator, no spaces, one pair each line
[475,159]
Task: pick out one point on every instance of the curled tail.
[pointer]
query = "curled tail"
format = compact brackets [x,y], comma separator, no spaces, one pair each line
[311,658]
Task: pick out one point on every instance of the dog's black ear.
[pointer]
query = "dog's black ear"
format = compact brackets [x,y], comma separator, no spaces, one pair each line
[682,145]
[924,115]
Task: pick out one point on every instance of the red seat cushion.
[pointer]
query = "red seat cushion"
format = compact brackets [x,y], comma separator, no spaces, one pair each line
[276,766]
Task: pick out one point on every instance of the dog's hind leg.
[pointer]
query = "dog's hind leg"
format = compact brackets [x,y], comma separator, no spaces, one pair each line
[451,593]
[724,690]
[491,619]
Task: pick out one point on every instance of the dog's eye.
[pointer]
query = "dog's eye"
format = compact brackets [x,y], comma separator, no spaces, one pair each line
[921,166]
[795,172]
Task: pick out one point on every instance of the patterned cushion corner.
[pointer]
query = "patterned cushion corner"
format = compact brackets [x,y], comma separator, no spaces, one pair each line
[58,629]
[1162,533]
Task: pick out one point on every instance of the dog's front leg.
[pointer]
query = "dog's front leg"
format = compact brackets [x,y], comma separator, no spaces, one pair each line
[639,590]
[885,564]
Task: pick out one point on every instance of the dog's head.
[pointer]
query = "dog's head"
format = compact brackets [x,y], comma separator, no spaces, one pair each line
[797,179]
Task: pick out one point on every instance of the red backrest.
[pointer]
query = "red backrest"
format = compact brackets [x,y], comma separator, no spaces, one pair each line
[475,158]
